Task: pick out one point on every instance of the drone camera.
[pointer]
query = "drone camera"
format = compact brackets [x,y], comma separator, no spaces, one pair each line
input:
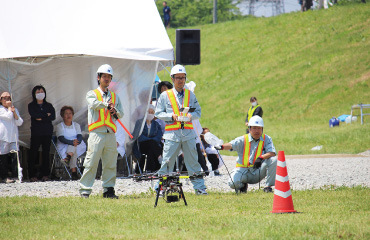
[173,198]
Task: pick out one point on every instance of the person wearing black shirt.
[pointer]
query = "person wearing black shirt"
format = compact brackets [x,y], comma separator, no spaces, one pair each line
[254,110]
[42,114]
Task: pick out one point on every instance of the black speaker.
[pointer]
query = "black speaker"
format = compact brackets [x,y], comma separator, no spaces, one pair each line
[188,46]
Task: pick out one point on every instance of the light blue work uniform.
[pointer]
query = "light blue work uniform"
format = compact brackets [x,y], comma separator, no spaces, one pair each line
[181,139]
[250,175]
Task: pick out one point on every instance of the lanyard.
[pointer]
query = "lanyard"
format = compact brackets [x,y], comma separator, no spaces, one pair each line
[177,99]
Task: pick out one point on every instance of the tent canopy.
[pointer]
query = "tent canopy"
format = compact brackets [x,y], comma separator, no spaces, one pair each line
[110,28]
[61,44]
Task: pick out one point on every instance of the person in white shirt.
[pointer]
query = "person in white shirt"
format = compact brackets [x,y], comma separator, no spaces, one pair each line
[70,144]
[10,120]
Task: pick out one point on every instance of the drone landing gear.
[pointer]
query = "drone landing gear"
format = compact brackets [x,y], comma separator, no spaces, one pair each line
[171,190]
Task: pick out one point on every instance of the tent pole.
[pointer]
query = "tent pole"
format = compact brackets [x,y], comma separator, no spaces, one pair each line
[8,78]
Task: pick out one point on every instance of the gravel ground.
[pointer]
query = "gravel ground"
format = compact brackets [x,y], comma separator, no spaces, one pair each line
[305,172]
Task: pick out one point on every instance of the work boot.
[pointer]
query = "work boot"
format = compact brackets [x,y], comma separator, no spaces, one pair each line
[244,189]
[85,195]
[201,192]
[267,189]
[110,193]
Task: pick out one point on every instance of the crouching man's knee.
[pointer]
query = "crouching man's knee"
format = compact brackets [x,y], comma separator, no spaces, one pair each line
[235,184]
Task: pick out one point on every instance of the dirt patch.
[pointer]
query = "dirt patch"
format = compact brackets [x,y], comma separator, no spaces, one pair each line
[363,78]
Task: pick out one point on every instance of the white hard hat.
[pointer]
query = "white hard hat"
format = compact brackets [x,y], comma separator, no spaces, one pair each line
[177,69]
[255,121]
[105,68]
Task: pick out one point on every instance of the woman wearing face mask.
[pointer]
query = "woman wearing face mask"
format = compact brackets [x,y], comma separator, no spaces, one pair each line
[42,114]
[149,143]
[254,110]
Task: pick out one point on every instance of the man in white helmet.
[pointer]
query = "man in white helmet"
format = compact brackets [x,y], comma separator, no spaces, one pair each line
[256,158]
[179,135]
[103,107]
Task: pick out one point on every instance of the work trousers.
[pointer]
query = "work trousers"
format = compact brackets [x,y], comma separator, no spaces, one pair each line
[201,160]
[36,142]
[170,152]
[100,146]
[241,176]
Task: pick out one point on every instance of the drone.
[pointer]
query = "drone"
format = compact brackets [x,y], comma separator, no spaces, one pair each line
[169,184]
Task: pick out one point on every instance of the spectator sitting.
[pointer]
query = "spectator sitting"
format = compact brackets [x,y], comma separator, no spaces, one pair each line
[10,120]
[211,152]
[149,143]
[70,144]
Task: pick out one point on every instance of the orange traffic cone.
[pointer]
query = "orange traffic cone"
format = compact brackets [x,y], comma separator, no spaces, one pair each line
[283,202]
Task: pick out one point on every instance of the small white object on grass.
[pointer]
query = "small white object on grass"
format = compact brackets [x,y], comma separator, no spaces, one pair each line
[317,148]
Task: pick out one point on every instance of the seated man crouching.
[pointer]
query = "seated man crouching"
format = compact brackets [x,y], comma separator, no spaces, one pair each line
[256,158]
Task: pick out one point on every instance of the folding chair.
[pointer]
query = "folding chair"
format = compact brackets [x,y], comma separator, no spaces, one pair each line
[57,161]
[123,166]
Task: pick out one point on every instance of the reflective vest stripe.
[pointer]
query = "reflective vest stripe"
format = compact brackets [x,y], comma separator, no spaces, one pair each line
[109,121]
[175,108]
[247,151]
[105,118]
[251,111]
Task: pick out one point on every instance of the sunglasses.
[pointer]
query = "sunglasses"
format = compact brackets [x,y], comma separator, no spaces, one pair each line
[6,98]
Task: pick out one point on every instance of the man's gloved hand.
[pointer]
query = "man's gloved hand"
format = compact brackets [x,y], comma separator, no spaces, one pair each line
[258,162]
[219,147]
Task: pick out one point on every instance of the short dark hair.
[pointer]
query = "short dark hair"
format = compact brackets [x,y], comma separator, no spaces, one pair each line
[253,99]
[34,92]
[204,129]
[64,108]
[164,83]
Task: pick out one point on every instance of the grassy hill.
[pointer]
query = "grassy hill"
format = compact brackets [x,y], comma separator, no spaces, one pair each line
[304,68]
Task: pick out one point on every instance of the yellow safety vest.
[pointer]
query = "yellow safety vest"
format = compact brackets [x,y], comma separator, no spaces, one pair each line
[251,111]
[105,118]
[244,162]
[171,96]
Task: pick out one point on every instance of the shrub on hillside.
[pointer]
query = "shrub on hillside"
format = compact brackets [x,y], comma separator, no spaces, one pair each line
[196,12]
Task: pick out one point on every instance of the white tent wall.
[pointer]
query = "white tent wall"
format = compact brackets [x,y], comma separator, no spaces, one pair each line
[67,80]
[130,29]
[77,37]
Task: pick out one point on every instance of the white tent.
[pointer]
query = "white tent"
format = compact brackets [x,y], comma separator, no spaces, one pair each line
[61,44]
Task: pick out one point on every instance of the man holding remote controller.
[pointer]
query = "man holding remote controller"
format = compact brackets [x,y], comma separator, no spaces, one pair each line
[178,107]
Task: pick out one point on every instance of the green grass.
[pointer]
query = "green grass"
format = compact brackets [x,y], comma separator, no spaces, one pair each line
[331,213]
[304,68]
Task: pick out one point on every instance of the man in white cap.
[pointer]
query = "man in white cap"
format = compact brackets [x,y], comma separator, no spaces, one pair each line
[256,158]
[179,135]
[103,107]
